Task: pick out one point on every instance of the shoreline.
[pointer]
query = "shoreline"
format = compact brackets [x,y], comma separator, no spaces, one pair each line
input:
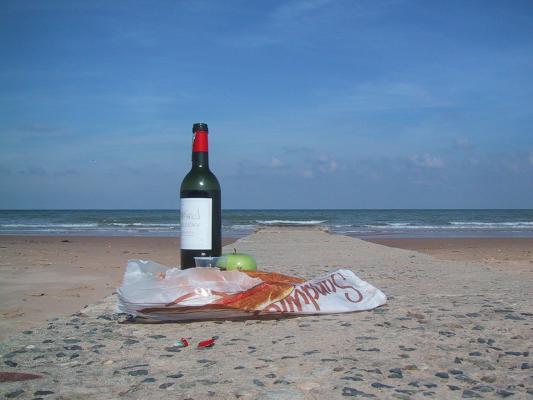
[235,236]
[362,224]
[444,234]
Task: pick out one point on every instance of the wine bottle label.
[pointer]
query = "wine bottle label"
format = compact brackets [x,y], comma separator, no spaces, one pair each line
[196,223]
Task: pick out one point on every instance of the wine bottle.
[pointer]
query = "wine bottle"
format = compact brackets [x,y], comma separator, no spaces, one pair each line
[200,204]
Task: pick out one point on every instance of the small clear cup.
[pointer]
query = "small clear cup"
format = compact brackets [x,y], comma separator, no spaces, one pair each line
[210,262]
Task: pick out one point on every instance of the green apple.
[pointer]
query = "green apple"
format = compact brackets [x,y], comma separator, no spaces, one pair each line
[240,261]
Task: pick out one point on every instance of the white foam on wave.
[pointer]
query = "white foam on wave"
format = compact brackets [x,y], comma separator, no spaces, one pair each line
[394,226]
[516,224]
[360,231]
[456,225]
[240,226]
[289,222]
[49,225]
[143,225]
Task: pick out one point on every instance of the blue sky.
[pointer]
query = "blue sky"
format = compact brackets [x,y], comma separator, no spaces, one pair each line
[311,104]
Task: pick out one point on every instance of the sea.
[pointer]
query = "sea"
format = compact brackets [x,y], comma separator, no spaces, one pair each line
[238,223]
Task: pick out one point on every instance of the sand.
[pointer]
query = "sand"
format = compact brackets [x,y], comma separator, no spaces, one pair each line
[42,277]
[501,253]
[450,329]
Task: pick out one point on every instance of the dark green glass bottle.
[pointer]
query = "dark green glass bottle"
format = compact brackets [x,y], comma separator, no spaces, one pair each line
[200,204]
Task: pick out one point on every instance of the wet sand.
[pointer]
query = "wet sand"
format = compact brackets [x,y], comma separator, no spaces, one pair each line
[497,252]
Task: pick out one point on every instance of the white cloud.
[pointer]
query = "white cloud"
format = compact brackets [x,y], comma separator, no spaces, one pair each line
[328,166]
[275,163]
[316,166]
[307,173]
[427,161]
[325,164]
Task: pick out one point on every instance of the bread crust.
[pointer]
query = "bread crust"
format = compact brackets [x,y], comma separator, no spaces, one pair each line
[274,287]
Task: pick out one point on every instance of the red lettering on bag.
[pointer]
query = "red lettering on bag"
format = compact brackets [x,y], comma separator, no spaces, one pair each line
[310,293]
[313,297]
[347,287]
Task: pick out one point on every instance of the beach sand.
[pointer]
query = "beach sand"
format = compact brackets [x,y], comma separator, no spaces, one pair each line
[42,277]
[450,329]
[502,253]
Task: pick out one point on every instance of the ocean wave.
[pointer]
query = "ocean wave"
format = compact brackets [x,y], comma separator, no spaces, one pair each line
[52,225]
[48,225]
[455,226]
[289,222]
[142,224]
[515,224]
[239,226]
[394,226]
[399,223]
[359,231]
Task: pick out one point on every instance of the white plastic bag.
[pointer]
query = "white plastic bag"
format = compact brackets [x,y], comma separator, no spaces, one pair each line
[154,291]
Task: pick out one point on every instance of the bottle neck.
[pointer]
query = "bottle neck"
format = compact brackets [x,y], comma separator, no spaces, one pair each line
[200,159]
[200,150]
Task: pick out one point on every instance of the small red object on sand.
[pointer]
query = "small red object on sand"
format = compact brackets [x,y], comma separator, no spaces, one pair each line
[207,343]
[182,343]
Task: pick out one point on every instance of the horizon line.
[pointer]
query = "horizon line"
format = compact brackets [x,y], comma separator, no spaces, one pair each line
[268,209]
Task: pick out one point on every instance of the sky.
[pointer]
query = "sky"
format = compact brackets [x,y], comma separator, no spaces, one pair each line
[310,104]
